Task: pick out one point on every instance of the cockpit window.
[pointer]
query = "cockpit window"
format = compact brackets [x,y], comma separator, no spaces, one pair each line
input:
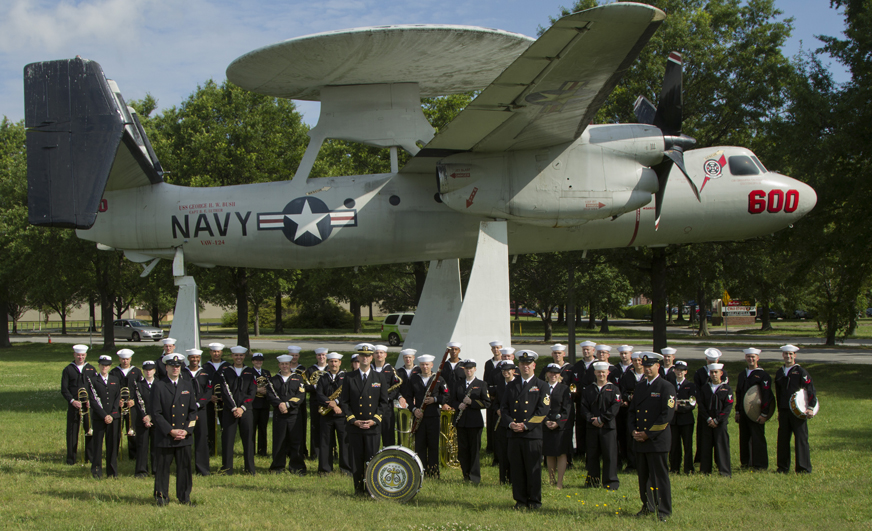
[743,165]
[760,165]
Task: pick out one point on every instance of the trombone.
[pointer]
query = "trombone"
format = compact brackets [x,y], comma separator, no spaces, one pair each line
[85,421]
[125,422]
[219,407]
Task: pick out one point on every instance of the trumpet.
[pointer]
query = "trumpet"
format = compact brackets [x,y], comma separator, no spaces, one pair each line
[686,401]
[85,420]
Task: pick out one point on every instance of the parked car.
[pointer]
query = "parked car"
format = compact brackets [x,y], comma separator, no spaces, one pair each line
[396,327]
[133,330]
[523,312]
[802,314]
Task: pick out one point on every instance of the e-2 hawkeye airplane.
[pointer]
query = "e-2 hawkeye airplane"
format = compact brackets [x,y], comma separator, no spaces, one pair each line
[519,170]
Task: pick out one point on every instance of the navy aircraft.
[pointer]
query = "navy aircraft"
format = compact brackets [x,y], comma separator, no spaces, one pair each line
[520,170]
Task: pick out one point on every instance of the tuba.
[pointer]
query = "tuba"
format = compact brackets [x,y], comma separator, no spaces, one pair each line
[448,440]
[405,436]
[85,420]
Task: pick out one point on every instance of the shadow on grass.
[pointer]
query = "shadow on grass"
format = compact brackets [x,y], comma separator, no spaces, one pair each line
[842,439]
[84,495]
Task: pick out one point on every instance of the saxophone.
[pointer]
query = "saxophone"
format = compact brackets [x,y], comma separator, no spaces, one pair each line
[326,410]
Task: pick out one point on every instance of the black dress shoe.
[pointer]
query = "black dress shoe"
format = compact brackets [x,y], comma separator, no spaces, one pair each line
[644,512]
[161,502]
[519,506]
[534,506]
[140,475]
[662,517]
[189,503]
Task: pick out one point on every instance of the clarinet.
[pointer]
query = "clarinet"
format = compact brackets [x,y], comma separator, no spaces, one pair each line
[269,381]
[139,399]
[96,396]
[229,393]
[460,413]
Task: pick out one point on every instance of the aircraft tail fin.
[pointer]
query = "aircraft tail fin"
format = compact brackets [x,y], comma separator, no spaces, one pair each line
[82,139]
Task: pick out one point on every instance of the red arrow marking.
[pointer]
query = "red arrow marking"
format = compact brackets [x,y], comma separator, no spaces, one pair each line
[471,197]
[601,205]
[459,175]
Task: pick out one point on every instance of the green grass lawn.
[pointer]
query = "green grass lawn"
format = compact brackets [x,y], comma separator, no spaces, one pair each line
[38,491]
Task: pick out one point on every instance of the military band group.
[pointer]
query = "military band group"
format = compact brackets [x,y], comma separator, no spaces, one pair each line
[638,413]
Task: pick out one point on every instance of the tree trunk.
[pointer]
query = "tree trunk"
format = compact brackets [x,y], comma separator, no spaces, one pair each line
[549,329]
[242,338]
[256,320]
[591,318]
[107,316]
[693,308]
[703,307]
[765,322]
[668,312]
[561,317]
[831,335]
[92,313]
[4,311]
[370,312]
[517,313]
[570,311]
[155,316]
[680,318]
[604,324]
[280,326]
[355,311]
[658,297]
[63,315]
[419,269]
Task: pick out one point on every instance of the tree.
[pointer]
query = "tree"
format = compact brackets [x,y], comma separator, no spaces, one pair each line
[13,221]
[539,283]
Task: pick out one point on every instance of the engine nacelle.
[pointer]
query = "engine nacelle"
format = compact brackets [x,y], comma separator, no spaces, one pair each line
[603,174]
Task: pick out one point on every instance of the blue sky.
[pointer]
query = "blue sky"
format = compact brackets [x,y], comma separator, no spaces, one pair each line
[167,47]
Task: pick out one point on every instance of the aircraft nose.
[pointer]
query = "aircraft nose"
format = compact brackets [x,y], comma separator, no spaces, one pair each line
[803,196]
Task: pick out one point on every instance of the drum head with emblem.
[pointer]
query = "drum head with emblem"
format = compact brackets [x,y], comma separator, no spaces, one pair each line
[395,473]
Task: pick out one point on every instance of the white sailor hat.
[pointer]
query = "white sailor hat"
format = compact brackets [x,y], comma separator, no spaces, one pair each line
[789,348]
[381,348]
[528,356]
[408,352]
[322,350]
[174,360]
[712,354]
[752,351]
[558,347]
[214,346]
[496,343]
[604,347]
[587,344]
[650,358]
[637,355]
[625,348]
[285,358]
[334,356]
[256,356]
[600,365]
[193,352]
[80,349]
[425,358]
[507,350]
[680,365]
[715,366]
[454,344]
[171,341]
[238,349]
[552,367]
[668,351]
[294,349]
[105,360]
[125,353]
[354,357]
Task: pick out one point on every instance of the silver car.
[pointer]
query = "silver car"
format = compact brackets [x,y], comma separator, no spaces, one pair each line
[133,330]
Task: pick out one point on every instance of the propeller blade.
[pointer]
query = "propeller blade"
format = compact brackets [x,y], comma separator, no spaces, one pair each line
[668,117]
[644,110]
[676,155]
[662,170]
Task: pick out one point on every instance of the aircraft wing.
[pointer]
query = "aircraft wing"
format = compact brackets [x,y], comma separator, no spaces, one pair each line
[550,93]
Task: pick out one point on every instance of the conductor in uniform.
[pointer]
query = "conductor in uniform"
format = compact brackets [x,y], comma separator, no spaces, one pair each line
[363,399]
[75,377]
[651,411]
[174,404]
[522,412]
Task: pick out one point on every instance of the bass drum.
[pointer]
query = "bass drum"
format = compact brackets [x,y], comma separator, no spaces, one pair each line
[395,473]
[799,403]
[753,404]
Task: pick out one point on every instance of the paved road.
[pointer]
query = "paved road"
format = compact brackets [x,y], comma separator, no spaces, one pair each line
[848,353]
